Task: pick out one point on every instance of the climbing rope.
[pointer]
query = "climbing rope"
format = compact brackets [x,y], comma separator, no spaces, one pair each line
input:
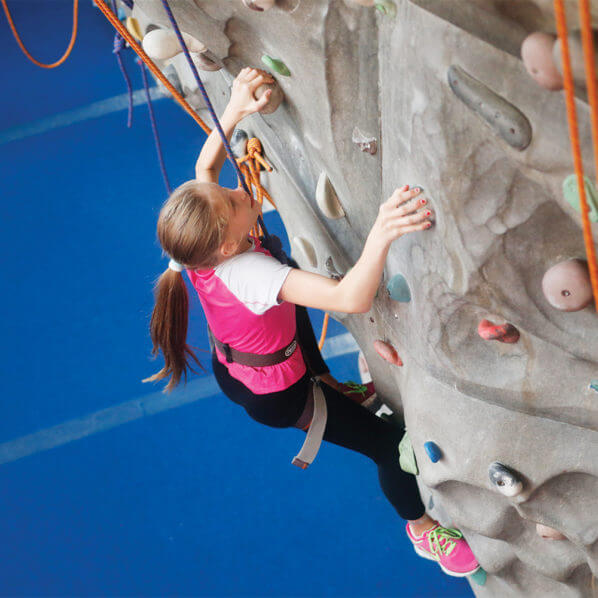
[24,49]
[561,21]
[118,46]
[324,331]
[154,127]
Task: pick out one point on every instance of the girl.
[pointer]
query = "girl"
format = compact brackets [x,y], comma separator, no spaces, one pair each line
[255,307]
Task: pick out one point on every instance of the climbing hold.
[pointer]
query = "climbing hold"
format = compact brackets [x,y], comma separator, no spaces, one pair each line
[162,44]
[567,285]
[407,459]
[238,143]
[327,199]
[479,577]
[536,52]
[276,65]
[133,28]
[594,385]
[203,63]
[387,352]
[386,7]
[259,5]
[505,333]
[170,72]
[365,2]
[575,57]
[503,118]
[307,250]
[431,502]
[365,144]
[571,193]
[276,97]
[362,366]
[332,271]
[398,289]
[122,15]
[506,481]
[549,533]
[433,451]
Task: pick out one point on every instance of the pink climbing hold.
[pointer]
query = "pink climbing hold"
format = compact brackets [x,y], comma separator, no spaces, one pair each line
[567,285]
[536,52]
[506,333]
[549,533]
[387,352]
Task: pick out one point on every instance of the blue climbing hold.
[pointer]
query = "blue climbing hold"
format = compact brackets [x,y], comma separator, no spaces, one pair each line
[594,385]
[479,577]
[398,289]
[433,451]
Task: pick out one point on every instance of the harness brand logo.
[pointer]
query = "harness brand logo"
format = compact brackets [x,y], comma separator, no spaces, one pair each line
[290,349]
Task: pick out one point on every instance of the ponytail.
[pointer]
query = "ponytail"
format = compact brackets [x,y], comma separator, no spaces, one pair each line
[168,329]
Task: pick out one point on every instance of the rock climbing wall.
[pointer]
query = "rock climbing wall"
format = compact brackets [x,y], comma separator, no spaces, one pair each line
[483,334]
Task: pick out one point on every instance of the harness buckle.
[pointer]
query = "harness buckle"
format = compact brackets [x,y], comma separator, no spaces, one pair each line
[228,353]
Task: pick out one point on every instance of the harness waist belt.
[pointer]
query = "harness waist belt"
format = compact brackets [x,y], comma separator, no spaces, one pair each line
[254,360]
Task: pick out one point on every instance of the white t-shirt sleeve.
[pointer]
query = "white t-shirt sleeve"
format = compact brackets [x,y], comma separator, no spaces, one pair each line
[254,278]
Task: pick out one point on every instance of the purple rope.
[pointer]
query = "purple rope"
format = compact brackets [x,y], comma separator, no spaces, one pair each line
[154,127]
[119,44]
[227,147]
[129,3]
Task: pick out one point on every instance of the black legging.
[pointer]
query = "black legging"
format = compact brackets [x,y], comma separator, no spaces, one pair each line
[348,423]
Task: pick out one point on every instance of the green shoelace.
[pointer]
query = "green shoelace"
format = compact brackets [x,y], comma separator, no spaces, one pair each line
[447,534]
[355,388]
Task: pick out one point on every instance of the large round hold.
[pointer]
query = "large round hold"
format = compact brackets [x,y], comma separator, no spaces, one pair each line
[507,482]
[398,289]
[536,52]
[567,285]
[162,44]
[575,57]
[276,97]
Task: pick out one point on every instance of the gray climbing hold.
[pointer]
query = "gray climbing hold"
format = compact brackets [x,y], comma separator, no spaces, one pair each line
[407,459]
[431,502]
[567,285]
[503,118]
[327,199]
[507,482]
[479,577]
[259,5]
[398,289]
[433,451]
[238,143]
[307,250]
[331,269]
[571,194]
[365,144]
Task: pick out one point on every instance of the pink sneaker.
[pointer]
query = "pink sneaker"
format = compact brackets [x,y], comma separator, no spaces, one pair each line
[447,547]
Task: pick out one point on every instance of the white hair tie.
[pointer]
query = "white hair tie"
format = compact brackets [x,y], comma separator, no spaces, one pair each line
[175,266]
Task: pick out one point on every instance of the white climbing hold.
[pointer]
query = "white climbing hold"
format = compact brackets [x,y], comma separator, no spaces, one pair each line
[259,5]
[365,144]
[327,199]
[162,44]
[307,250]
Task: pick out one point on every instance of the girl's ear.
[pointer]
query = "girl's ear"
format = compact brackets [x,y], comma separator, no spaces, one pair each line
[228,248]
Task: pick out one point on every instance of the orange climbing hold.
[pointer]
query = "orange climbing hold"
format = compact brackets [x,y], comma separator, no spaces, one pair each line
[24,49]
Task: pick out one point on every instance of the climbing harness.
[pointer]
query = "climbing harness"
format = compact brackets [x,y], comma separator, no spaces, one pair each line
[590,69]
[317,426]
[24,49]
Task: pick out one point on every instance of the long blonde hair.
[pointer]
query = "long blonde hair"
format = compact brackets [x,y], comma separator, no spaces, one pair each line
[191,228]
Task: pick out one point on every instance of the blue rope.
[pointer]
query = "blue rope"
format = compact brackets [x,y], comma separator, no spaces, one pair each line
[229,151]
[154,127]
[119,44]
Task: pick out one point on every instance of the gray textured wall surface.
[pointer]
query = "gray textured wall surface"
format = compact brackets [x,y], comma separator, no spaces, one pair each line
[442,88]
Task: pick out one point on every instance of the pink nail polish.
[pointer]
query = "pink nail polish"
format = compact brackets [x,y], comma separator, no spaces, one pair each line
[423,202]
[428,213]
[428,224]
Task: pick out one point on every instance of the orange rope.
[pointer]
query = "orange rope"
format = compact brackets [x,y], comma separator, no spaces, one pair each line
[24,49]
[324,330]
[561,22]
[150,65]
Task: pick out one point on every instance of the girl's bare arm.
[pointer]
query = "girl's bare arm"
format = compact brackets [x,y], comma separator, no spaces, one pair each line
[355,292]
[242,103]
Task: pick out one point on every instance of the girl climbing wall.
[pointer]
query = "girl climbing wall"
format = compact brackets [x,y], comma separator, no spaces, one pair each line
[265,354]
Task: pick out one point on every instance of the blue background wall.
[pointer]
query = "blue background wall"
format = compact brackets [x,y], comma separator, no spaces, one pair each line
[109,487]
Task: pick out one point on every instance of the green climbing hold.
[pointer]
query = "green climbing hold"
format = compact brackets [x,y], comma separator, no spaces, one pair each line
[572,196]
[386,7]
[479,577]
[276,65]
[407,456]
[398,289]
[594,385]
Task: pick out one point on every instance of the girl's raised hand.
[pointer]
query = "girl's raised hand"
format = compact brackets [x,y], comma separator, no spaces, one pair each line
[402,213]
[242,100]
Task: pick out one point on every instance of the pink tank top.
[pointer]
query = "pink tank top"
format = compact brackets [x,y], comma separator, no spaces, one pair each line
[239,298]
